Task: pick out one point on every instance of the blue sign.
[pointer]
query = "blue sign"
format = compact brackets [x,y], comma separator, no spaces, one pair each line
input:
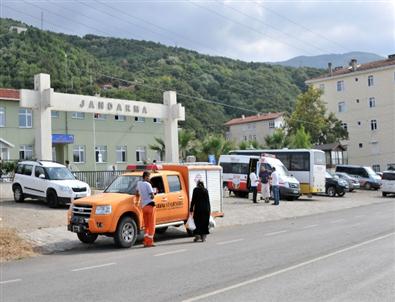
[62,138]
[211,159]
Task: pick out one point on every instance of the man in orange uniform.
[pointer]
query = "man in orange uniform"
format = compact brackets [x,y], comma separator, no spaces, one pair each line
[148,205]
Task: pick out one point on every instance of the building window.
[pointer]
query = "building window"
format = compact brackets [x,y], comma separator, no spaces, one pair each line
[359,123]
[376,168]
[245,138]
[271,124]
[101,154]
[391,166]
[139,119]
[360,145]
[340,86]
[78,115]
[157,120]
[140,154]
[344,126]
[373,125]
[120,118]
[372,102]
[25,118]
[25,152]
[79,154]
[370,81]
[356,79]
[121,154]
[341,106]
[99,116]
[357,100]
[54,114]
[2,117]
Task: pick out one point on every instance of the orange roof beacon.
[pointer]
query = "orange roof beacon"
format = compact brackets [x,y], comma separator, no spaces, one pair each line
[117,213]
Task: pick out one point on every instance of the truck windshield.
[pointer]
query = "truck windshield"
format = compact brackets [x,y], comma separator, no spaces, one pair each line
[59,173]
[124,184]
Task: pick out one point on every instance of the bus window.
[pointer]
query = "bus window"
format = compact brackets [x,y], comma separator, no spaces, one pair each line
[319,158]
[285,158]
[300,161]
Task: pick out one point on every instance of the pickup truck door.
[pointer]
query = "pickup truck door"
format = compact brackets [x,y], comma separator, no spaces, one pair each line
[161,199]
[178,201]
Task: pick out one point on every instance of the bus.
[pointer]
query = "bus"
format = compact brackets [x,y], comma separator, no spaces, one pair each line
[308,166]
[237,168]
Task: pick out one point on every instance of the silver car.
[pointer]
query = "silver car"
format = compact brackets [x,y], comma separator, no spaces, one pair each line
[353,182]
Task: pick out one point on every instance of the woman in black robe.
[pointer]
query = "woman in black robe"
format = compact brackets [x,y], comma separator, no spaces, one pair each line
[200,207]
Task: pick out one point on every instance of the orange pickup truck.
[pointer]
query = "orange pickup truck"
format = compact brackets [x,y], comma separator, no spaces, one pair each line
[117,213]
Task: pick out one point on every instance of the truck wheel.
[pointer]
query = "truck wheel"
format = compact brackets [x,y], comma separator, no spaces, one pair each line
[52,199]
[126,233]
[87,237]
[18,194]
[368,186]
[341,193]
[161,230]
[384,194]
[331,191]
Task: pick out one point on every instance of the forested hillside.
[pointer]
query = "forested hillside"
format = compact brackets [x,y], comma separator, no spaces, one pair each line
[85,65]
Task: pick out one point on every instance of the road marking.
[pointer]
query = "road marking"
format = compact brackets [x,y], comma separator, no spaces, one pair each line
[336,221]
[10,281]
[275,233]
[360,216]
[293,267]
[310,226]
[355,224]
[230,241]
[92,267]
[170,253]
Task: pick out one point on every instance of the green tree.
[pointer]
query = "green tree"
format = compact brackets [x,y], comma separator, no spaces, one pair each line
[214,144]
[186,143]
[277,140]
[300,140]
[159,147]
[310,112]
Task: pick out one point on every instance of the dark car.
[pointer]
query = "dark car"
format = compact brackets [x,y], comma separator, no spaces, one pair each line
[353,182]
[335,185]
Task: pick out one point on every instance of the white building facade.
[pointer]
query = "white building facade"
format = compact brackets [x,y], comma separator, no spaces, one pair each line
[254,127]
[363,98]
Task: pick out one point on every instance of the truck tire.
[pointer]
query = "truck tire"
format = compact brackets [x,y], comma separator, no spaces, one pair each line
[52,198]
[87,237]
[341,193]
[384,194]
[368,186]
[126,232]
[331,191]
[18,194]
[161,230]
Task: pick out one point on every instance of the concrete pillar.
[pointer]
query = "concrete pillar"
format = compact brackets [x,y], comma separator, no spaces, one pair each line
[42,117]
[171,127]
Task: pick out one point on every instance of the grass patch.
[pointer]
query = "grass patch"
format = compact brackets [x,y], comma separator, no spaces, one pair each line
[12,247]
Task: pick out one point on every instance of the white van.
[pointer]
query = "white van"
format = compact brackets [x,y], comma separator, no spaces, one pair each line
[388,183]
[289,185]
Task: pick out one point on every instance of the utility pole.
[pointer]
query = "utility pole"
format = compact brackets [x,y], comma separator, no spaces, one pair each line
[42,20]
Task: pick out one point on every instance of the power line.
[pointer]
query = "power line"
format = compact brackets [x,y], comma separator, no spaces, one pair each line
[300,25]
[271,26]
[248,27]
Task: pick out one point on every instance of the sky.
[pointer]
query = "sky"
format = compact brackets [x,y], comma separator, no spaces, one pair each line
[249,30]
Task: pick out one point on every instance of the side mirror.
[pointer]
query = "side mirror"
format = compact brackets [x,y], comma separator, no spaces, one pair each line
[41,176]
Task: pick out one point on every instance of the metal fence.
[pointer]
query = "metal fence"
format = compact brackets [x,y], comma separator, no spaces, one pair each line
[98,179]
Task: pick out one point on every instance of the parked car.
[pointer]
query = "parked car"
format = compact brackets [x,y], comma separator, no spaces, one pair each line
[353,182]
[388,183]
[368,179]
[380,174]
[47,180]
[335,185]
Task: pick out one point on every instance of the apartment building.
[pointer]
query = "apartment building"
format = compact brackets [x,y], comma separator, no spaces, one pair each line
[254,127]
[363,97]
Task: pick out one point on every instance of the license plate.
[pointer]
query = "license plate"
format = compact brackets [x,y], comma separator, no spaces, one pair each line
[76,229]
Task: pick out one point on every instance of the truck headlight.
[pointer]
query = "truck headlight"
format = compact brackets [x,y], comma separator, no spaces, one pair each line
[103,210]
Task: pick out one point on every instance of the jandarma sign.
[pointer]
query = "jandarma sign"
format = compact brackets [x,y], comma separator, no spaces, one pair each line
[112,106]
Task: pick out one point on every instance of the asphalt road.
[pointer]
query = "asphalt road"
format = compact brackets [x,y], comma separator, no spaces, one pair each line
[346,255]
